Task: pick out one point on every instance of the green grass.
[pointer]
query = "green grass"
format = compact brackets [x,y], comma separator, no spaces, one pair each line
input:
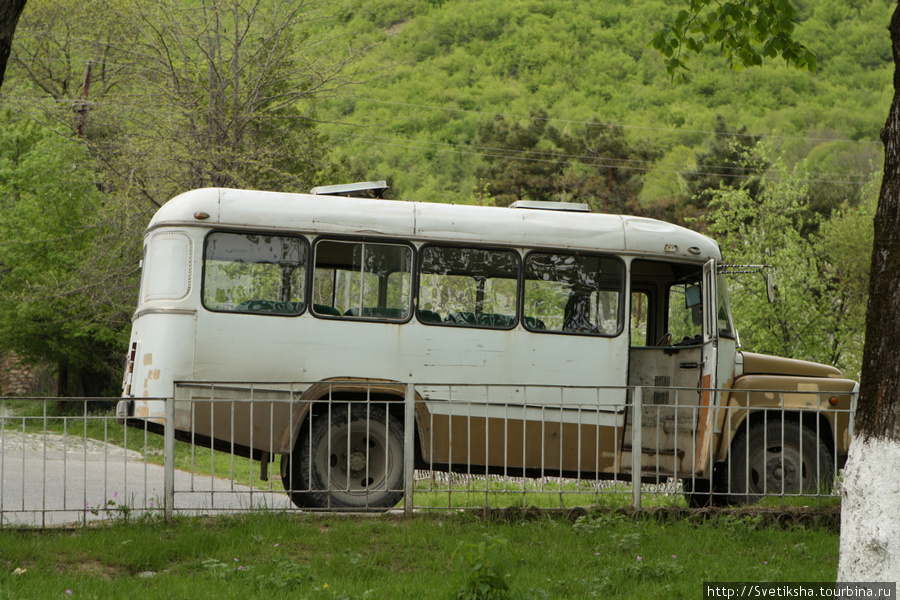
[434,556]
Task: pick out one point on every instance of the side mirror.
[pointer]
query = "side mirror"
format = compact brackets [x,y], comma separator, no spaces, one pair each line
[771,285]
[692,296]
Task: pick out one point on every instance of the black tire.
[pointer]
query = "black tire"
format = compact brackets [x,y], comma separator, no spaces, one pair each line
[698,494]
[352,458]
[778,458]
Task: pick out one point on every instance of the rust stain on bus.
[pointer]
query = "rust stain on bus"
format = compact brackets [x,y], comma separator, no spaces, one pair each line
[702,449]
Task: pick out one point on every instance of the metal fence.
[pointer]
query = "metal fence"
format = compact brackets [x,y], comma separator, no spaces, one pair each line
[361,446]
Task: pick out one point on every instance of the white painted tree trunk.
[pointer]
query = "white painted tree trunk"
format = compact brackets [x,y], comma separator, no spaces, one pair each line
[870,509]
[870,513]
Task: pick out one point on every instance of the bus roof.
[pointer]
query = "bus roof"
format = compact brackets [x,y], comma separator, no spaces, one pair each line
[426,221]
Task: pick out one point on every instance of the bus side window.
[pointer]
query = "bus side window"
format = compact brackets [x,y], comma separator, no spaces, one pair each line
[362,280]
[573,293]
[685,313]
[254,273]
[167,266]
[640,318]
[468,287]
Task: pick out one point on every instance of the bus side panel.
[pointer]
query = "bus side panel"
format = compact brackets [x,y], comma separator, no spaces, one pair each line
[165,353]
[282,349]
[161,350]
[470,443]
[236,417]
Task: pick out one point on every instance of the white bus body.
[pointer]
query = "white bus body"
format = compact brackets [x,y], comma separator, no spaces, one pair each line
[246,287]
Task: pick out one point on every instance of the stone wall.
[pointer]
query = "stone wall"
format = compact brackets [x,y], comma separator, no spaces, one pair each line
[18,378]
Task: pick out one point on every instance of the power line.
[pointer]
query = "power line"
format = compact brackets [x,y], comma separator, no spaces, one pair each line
[610,124]
[738,172]
[600,162]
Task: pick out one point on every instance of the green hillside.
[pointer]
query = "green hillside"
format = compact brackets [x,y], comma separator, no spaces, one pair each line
[441,67]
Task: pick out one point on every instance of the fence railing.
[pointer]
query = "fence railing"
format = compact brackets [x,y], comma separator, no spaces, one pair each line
[356,446]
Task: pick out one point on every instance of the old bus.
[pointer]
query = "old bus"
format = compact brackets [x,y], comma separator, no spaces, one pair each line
[523,329]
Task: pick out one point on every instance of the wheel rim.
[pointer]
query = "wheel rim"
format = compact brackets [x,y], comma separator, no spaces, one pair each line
[358,459]
[780,468]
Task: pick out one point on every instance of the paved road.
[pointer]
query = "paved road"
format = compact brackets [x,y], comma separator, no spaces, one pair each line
[48,480]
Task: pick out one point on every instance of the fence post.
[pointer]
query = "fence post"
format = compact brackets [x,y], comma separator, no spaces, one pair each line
[409,444]
[637,411]
[169,460]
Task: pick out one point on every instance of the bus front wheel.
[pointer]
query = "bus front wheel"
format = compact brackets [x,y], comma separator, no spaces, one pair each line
[352,458]
[778,457]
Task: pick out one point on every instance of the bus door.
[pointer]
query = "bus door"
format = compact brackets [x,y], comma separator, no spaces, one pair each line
[677,359]
[719,349]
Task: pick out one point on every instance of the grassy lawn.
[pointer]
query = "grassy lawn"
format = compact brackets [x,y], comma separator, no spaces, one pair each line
[442,556]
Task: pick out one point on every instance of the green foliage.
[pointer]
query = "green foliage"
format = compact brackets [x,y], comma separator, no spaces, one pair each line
[289,573]
[597,164]
[817,313]
[54,305]
[161,98]
[666,187]
[236,109]
[767,230]
[574,60]
[845,244]
[745,32]
[594,524]
[510,172]
[849,167]
[484,570]
[738,524]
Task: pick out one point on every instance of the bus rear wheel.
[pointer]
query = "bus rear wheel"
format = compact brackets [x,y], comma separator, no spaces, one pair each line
[351,459]
[778,457]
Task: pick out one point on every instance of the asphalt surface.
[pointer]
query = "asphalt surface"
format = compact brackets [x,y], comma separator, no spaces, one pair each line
[48,480]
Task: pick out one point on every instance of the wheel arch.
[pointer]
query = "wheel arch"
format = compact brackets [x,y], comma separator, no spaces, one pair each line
[323,396]
[788,449]
[800,399]
[812,420]
[815,421]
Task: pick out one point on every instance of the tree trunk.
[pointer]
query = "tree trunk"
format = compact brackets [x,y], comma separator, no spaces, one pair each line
[870,520]
[9,18]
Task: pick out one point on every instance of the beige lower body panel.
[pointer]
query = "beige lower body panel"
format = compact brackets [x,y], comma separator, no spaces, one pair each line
[484,442]
[225,415]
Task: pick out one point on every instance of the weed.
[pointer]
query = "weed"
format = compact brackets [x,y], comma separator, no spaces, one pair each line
[288,573]
[655,571]
[627,542]
[113,509]
[484,570]
[601,522]
[352,558]
[739,524]
[223,570]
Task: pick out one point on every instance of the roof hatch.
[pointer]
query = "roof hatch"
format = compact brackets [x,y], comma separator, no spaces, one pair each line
[544,205]
[362,189]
